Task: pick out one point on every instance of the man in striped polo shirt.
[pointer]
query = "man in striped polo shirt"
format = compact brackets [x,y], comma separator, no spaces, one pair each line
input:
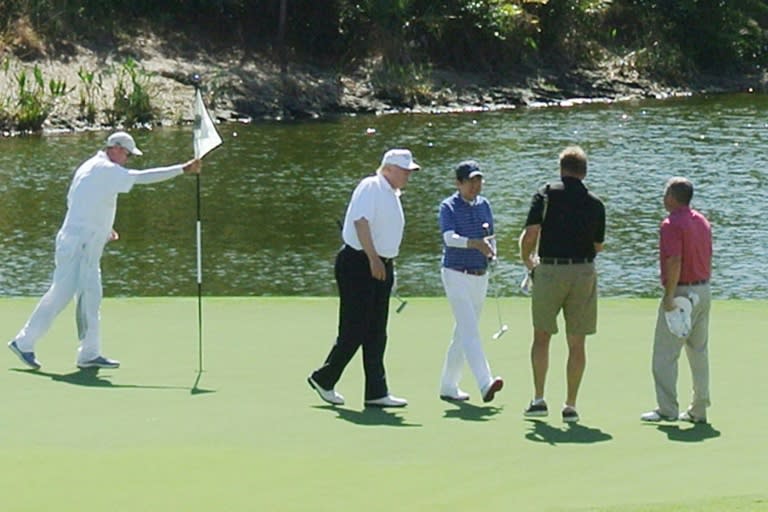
[466,223]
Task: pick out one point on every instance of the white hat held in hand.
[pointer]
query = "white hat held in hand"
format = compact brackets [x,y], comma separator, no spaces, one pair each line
[679,319]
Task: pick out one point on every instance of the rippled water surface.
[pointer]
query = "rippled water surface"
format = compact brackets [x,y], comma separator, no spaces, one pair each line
[272,194]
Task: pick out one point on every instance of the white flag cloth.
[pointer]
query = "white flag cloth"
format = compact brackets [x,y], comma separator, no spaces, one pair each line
[205,137]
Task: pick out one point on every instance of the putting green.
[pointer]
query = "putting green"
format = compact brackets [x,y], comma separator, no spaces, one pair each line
[253,436]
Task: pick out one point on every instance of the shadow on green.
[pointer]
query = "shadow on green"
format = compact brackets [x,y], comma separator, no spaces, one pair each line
[196,390]
[697,433]
[470,412]
[88,377]
[543,432]
[369,416]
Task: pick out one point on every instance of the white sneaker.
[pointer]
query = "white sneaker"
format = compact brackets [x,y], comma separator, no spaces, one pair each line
[691,418]
[329,395]
[456,396]
[655,416]
[387,401]
[28,358]
[99,362]
[492,388]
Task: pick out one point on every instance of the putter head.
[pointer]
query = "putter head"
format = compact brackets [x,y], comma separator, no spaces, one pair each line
[402,305]
[500,332]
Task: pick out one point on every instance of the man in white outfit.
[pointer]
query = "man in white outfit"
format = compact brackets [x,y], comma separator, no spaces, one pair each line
[87,227]
[466,223]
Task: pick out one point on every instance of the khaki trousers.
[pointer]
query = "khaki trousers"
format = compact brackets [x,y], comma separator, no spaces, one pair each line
[666,352]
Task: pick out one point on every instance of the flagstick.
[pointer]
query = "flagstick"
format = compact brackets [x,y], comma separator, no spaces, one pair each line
[199,283]
[205,139]
[199,243]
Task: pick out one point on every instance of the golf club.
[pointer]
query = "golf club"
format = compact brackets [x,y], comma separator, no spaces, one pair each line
[402,301]
[396,294]
[492,268]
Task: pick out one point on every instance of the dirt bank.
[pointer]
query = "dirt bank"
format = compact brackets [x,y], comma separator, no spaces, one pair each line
[244,88]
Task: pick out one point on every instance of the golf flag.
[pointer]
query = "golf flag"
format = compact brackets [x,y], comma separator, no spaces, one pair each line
[206,138]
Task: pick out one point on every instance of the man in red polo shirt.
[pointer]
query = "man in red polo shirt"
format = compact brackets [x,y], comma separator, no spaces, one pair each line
[685,257]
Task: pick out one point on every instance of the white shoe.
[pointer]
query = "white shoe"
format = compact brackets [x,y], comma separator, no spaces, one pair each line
[456,396]
[691,418]
[28,358]
[655,416]
[491,389]
[387,401]
[329,395]
[99,362]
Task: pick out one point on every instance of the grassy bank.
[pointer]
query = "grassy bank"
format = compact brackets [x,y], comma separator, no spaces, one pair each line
[252,435]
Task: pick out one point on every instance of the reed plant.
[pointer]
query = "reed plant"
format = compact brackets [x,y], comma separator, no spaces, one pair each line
[35,99]
[91,83]
[5,115]
[132,95]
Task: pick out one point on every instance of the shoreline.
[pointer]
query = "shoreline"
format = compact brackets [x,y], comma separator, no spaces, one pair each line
[245,89]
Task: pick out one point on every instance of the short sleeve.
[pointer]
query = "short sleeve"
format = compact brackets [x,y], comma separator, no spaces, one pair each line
[446,218]
[362,205]
[536,211]
[671,240]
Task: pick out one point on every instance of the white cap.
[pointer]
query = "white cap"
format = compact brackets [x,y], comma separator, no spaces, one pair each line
[679,319]
[401,158]
[125,141]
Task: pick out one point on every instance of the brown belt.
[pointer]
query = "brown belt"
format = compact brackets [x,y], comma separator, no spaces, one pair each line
[692,283]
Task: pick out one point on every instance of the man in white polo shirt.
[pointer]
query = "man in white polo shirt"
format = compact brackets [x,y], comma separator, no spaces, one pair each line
[372,232]
[87,227]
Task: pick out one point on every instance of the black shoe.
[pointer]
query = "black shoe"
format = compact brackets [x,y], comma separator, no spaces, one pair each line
[570,415]
[536,409]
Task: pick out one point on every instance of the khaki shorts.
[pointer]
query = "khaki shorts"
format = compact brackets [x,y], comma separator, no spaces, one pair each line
[572,288]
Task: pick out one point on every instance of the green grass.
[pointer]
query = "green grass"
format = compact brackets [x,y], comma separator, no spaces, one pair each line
[255,437]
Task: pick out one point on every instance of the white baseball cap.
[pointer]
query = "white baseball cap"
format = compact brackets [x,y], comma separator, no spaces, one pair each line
[679,319]
[125,141]
[401,158]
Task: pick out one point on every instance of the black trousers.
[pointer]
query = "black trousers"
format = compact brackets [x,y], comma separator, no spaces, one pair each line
[363,315]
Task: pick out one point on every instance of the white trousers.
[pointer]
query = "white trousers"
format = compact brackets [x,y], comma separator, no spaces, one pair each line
[466,294]
[77,275]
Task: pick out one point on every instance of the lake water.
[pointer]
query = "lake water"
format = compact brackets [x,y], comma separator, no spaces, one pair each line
[272,195]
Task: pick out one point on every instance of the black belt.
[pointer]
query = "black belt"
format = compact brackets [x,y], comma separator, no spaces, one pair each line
[692,283]
[470,271]
[565,261]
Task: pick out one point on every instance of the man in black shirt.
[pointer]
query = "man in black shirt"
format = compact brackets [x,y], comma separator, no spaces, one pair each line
[567,224]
